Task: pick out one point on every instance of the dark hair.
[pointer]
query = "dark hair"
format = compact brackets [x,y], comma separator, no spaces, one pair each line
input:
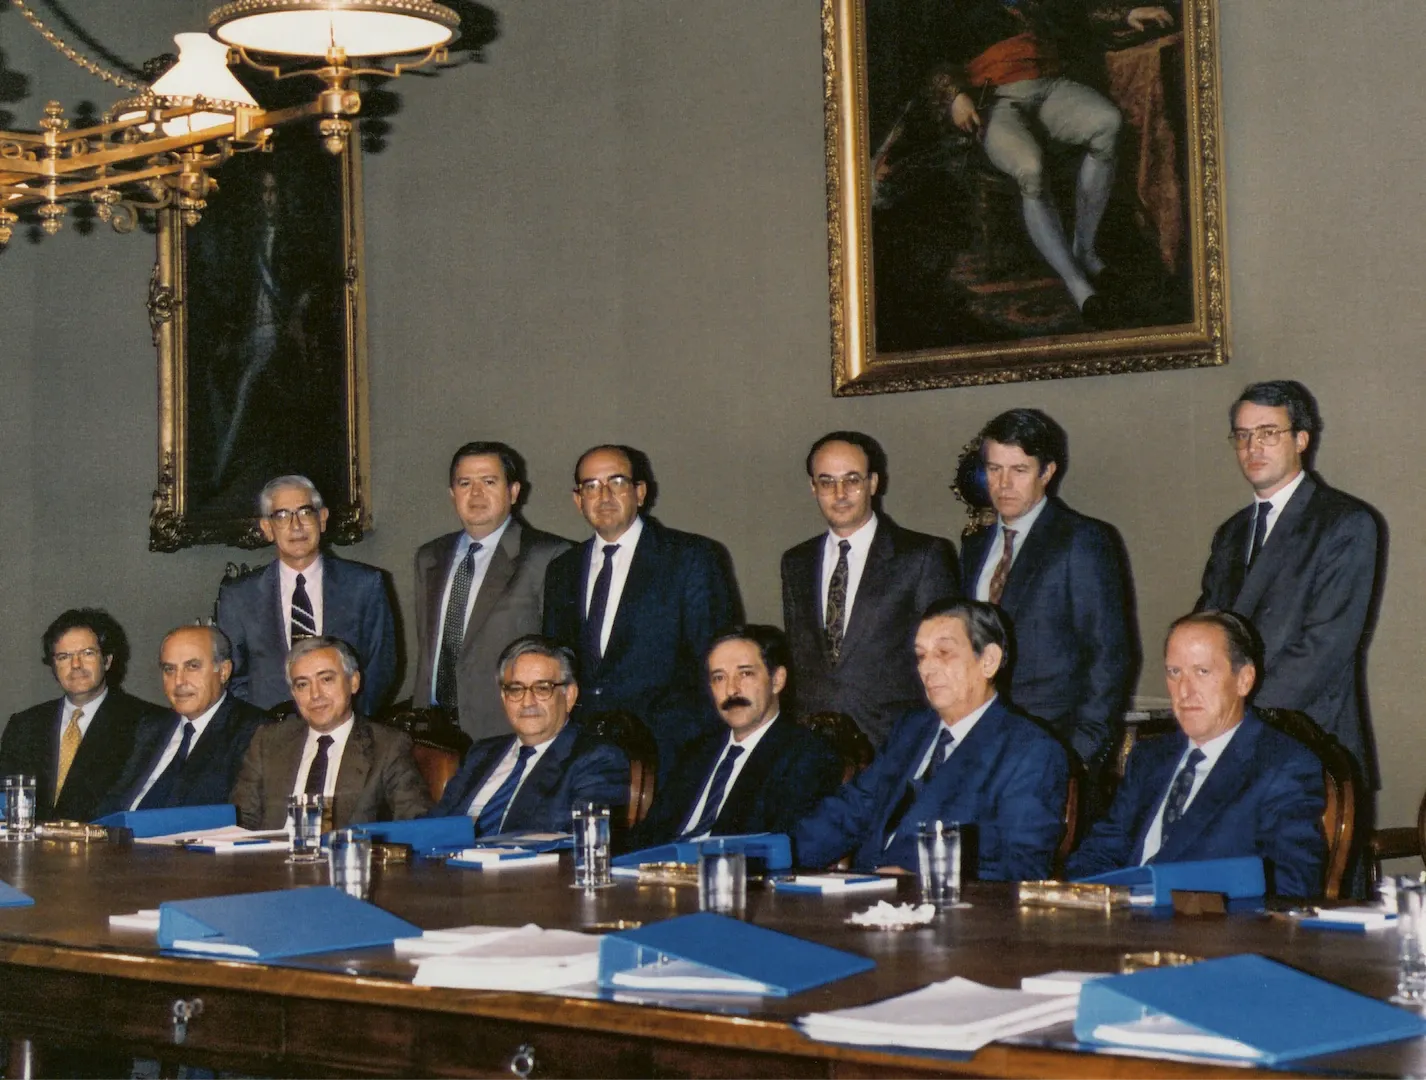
[511,463]
[1244,644]
[539,645]
[771,643]
[112,642]
[984,623]
[1033,432]
[638,461]
[1286,394]
[875,455]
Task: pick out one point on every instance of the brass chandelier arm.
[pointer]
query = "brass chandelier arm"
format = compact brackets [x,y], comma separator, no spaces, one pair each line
[435,55]
[73,55]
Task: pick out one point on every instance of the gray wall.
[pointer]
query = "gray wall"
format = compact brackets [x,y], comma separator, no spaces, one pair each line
[614,230]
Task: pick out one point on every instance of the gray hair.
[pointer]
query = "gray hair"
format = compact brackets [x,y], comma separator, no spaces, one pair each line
[537,645]
[222,647]
[272,487]
[303,646]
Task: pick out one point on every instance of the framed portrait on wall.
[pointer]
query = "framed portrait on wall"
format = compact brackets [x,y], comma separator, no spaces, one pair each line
[1022,189]
[258,317]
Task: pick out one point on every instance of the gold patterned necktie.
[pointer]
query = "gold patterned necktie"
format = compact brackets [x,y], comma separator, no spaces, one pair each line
[68,747]
[1002,568]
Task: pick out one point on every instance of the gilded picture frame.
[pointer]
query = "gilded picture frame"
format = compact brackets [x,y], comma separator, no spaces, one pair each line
[258,316]
[938,274]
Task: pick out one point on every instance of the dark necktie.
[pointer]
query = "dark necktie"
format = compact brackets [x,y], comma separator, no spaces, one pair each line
[453,630]
[162,790]
[317,774]
[716,788]
[836,622]
[1002,568]
[590,643]
[1177,800]
[944,741]
[304,622]
[493,812]
[1260,531]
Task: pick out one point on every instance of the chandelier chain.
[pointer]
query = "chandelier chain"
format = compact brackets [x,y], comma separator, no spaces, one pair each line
[70,54]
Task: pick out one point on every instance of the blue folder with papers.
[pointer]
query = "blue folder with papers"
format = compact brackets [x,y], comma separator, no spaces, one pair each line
[425,834]
[773,849]
[1240,878]
[275,925]
[709,953]
[13,897]
[1244,1007]
[174,819]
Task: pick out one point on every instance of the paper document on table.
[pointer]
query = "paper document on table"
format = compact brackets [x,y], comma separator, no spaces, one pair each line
[957,1014]
[502,858]
[221,836]
[687,977]
[833,883]
[529,959]
[455,939]
[1059,982]
[1361,918]
[1166,1033]
[145,920]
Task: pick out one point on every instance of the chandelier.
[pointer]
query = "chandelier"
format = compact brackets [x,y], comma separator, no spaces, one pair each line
[157,148]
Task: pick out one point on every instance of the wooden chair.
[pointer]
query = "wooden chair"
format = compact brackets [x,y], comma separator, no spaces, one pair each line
[1073,793]
[1399,842]
[438,742]
[630,734]
[846,737]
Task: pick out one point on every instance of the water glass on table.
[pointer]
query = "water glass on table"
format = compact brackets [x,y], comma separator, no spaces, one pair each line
[590,825]
[349,858]
[1411,940]
[722,879]
[306,813]
[19,808]
[938,857]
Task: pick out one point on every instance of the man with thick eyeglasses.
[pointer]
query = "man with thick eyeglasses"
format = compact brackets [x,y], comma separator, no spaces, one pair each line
[76,747]
[853,595]
[304,593]
[528,780]
[639,604]
[479,588]
[1300,563]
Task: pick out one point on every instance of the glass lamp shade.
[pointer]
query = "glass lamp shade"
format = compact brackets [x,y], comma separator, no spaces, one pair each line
[201,71]
[312,27]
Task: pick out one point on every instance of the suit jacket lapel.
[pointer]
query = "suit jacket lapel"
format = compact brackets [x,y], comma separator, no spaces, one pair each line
[1030,560]
[435,585]
[1154,785]
[1220,789]
[967,765]
[357,760]
[871,587]
[546,774]
[209,744]
[498,573]
[1269,562]
[974,548]
[643,571]
[750,779]
[272,613]
[481,773]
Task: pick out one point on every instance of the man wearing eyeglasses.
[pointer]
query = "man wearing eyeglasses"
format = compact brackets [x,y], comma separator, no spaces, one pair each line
[853,595]
[528,780]
[76,747]
[1300,563]
[639,604]
[304,593]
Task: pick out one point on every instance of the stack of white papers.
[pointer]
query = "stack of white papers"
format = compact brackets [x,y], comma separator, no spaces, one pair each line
[499,958]
[502,858]
[226,839]
[688,977]
[1059,982]
[834,883]
[957,1014]
[1165,1033]
[144,920]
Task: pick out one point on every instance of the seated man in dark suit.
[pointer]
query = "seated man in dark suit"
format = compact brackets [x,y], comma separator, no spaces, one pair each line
[1226,784]
[75,747]
[190,756]
[365,770]
[760,775]
[968,758]
[529,780]
[303,593]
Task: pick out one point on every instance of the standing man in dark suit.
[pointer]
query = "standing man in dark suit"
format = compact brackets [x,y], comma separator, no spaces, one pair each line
[75,747]
[851,597]
[303,593]
[763,773]
[365,770]
[1300,563]
[1225,784]
[496,569]
[968,758]
[190,756]
[1062,579]
[639,603]
[529,780]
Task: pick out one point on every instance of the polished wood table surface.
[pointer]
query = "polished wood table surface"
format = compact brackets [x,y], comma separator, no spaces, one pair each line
[67,979]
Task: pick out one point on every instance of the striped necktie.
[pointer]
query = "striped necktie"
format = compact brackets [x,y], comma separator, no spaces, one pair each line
[304,622]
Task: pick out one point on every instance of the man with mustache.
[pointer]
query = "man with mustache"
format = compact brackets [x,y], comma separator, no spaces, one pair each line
[763,772]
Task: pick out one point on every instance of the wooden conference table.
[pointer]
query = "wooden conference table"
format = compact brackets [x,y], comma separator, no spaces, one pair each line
[66,979]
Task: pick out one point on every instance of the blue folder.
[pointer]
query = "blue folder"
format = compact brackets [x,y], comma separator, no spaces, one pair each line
[782,963]
[174,819]
[1240,878]
[275,925]
[774,849]
[1282,1013]
[13,897]
[425,834]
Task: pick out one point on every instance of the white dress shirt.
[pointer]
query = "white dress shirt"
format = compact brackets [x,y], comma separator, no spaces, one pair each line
[67,709]
[1212,751]
[856,563]
[171,749]
[1279,503]
[505,768]
[622,558]
[1022,526]
[479,565]
[959,730]
[749,744]
[339,736]
[287,585]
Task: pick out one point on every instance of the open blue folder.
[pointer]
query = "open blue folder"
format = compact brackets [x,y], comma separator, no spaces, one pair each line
[426,834]
[13,897]
[174,819]
[774,849]
[717,946]
[1277,1011]
[274,925]
[1240,878]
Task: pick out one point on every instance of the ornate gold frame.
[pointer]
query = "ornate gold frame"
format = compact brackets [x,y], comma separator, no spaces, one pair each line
[857,366]
[174,521]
